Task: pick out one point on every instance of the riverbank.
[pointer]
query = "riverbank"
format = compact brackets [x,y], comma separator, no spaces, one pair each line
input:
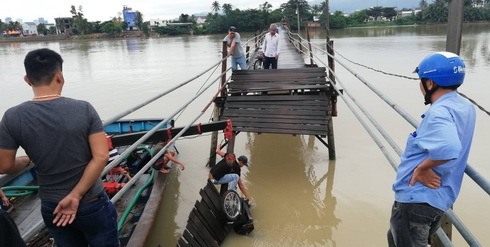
[70,37]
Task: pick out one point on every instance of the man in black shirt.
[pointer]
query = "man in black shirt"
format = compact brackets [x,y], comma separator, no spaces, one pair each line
[228,171]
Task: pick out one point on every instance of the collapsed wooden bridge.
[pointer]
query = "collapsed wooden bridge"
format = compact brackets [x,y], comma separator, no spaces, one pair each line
[295,99]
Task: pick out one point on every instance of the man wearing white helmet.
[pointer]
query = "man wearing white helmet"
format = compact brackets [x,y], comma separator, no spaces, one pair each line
[432,166]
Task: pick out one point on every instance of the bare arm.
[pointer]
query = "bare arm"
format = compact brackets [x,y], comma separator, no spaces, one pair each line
[10,164]
[242,188]
[5,200]
[232,48]
[425,175]
[219,152]
[67,208]
[173,159]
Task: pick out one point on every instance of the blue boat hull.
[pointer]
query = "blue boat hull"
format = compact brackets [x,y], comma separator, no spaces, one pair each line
[135,125]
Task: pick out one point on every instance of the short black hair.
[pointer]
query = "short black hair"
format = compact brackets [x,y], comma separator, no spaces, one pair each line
[42,65]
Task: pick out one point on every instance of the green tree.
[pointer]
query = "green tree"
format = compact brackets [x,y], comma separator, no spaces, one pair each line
[52,30]
[227,8]
[184,18]
[358,17]
[389,13]
[375,12]
[111,27]
[41,29]
[14,25]
[215,6]
[3,26]
[436,12]
[338,20]
[423,4]
[139,20]
[290,9]
[81,24]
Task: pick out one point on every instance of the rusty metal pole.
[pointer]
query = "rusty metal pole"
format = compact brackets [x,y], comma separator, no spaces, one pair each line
[217,109]
[455,26]
[309,44]
[247,51]
[333,101]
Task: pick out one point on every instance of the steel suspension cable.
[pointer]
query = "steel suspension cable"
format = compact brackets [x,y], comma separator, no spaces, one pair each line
[470,171]
[464,231]
[38,226]
[467,235]
[118,195]
[151,99]
[116,161]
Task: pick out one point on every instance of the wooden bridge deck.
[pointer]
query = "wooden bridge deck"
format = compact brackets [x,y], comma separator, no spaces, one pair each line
[282,101]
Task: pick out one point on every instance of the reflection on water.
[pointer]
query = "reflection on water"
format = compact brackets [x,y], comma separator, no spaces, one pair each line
[293,201]
[297,201]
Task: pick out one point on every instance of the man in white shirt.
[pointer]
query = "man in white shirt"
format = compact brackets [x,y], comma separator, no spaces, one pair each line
[271,48]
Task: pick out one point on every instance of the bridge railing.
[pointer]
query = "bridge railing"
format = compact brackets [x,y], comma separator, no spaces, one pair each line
[476,176]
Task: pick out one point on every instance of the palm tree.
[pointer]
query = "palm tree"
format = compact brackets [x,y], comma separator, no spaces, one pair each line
[227,8]
[215,6]
[423,4]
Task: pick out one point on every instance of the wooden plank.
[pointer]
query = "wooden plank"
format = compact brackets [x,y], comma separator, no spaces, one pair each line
[249,121]
[183,243]
[203,231]
[279,112]
[253,107]
[284,126]
[285,77]
[246,115]
[278,88]
[274,81]
[211,222]
[265,103]
[207,200]
[189,238]
[195,232]
[281,131]
[213,195]
[276,98]
[299,69]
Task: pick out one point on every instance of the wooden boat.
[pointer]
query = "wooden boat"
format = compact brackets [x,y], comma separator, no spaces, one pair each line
[136,209]
[135,125]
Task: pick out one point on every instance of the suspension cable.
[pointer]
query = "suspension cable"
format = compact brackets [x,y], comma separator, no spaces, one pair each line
[116,161]
[467,235]
[118,195]
[151,99]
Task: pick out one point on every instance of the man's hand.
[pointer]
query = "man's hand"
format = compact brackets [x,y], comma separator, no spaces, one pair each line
[5,201]
[426,177]
[66,210]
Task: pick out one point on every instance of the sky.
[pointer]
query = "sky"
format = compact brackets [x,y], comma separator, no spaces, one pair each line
[103,10]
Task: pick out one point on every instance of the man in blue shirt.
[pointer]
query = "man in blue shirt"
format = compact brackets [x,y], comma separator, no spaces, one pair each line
[431,170]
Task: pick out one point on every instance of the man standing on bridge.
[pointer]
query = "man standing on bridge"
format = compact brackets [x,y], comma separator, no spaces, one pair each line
[235,49]
[271,48]
[65,138]
[431,171]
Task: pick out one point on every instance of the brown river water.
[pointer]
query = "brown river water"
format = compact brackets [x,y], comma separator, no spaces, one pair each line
[299,196]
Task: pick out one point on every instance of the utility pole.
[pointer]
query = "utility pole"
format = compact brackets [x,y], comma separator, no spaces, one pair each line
[297,14]
[455,26]
[327,20]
